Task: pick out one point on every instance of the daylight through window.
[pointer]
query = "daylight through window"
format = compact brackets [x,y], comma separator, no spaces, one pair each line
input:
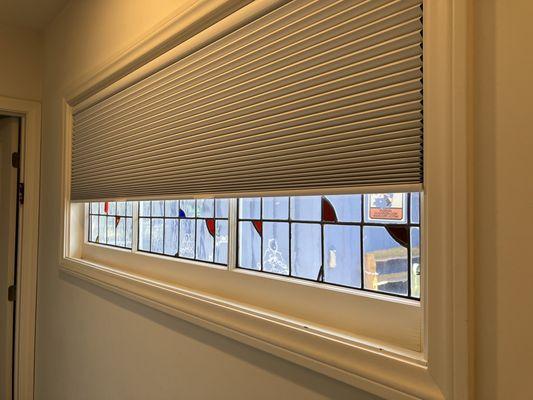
[369,242]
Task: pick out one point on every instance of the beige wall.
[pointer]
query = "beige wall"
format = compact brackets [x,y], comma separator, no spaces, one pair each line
[92,344]
[504,198]
[20,63]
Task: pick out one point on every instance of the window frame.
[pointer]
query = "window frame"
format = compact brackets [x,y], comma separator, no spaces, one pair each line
[442,369]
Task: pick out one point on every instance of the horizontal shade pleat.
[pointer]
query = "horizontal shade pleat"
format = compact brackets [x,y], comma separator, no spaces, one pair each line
[314,95]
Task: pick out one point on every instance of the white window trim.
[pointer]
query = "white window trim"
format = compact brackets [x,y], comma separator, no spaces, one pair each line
[443,368]
[26,291]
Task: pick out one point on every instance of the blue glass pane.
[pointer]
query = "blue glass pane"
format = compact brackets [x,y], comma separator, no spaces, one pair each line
[110,230]
[102,230]
[221,208]
[221,243]
[94,208]
[306,249]
[342,263]
[276,247]
[187,238]
[120,232]
[144,234]
[205,242]
[250,208]
[94,229]
[144,208]
[112,208]
[347,207]
[171,236]
[205,208]
[385,261]
[157,235]
[158,208]
[121,208]
[306,208]
[129,208]
[249,246]
[415,208]
[276,208]
[188,207]
[415,262]
[129,232]
[388,208]
[171,208]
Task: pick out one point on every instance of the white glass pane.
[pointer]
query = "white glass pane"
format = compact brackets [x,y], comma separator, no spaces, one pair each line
[94,229]
[306,208]
[120,232]
[347,207]
[385,261]
[144,208]
[171,208]
[306,249]
[276,208]
[342,263]
[205,208]
[415,262]
[221,208]
[415,208]
[112,208]
[187,238]
[144,234]
[158,208]
[187,208]
[129,208]
[221,242]
[102,230]
[276,247]
[171,236]
[121,208]
[157,235]
[111,230]
[250,208]
[205,241]
[129,232]
[249,246]
[94,208]
[101,207]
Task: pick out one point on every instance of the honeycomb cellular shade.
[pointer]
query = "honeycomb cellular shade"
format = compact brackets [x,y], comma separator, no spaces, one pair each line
[313,95]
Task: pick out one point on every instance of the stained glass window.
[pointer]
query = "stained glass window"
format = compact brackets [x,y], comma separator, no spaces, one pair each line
[369,242]
[193,229]
[111,223]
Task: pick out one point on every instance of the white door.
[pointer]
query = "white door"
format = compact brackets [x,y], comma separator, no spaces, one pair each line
[9,138]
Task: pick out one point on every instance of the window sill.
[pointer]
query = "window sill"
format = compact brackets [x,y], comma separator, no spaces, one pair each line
[386,371]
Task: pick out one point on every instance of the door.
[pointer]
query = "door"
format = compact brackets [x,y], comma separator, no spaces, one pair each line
[9,143]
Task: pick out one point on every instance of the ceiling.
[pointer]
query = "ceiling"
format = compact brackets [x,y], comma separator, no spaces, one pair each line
[32,14]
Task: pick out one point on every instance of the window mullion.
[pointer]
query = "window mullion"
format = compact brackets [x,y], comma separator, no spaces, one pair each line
[135,226]
[232,234]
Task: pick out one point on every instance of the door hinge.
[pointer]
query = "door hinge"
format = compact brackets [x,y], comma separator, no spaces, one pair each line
[15,160]
[11,291]
[21,193]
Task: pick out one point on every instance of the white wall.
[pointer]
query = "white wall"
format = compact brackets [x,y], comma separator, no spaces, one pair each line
[504,198]
[20,63]
[92,344]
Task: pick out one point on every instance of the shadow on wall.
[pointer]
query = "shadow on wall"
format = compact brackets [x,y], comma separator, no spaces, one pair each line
[319,384]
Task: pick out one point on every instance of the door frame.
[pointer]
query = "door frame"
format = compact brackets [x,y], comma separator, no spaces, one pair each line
[27,253]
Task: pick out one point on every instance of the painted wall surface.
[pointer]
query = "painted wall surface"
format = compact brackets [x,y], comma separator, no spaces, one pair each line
[20,63]
[503,198]
[93,344]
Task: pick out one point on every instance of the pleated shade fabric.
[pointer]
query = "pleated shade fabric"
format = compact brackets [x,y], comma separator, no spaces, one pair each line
[315,95]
